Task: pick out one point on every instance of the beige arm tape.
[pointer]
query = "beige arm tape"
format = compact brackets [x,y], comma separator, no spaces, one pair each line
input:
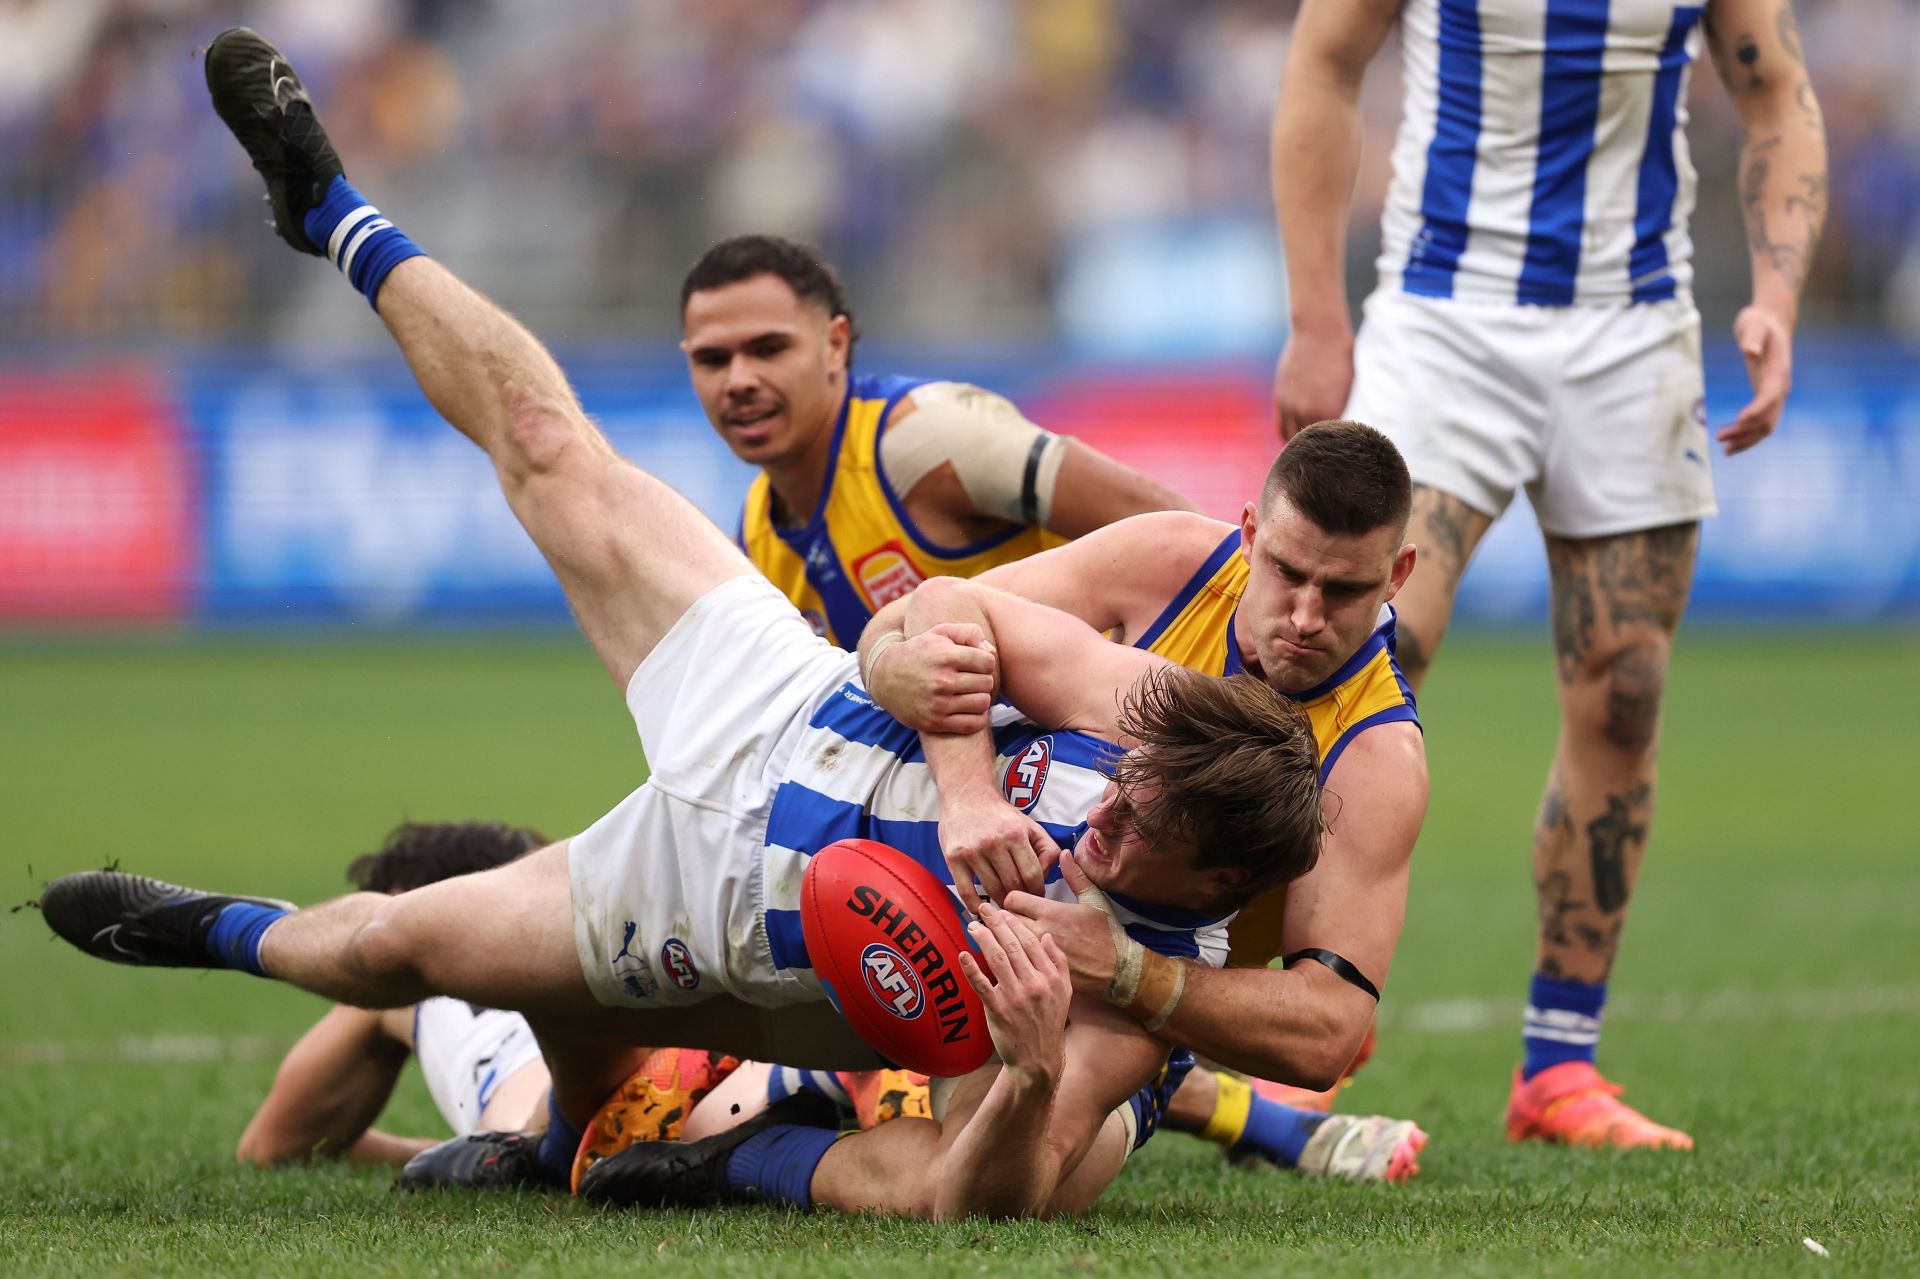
[990,445]
[1146,985]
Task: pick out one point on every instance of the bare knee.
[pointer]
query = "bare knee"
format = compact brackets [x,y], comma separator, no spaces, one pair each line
[385,952]
[1413,654]
[543,435]
[1616,691]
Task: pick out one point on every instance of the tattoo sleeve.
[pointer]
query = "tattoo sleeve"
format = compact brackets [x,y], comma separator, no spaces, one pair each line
[1783,163]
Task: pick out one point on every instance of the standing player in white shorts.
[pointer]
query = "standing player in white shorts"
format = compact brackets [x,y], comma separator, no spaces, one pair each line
[1533,327]
[674,918]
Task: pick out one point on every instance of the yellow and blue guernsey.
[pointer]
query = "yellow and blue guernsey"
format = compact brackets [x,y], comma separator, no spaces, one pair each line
[1196,630]
[861,550]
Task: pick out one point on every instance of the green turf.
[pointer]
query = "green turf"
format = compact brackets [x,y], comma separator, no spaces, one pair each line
[1768,997]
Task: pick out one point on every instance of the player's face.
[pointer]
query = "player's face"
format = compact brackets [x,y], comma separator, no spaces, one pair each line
[1312,597]
[1118,860]
[769,368]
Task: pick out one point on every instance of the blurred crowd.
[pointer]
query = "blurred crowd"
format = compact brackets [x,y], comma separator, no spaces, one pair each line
[948,154]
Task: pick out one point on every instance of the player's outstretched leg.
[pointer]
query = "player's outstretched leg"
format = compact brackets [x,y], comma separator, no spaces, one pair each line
[500,937]
[630,552]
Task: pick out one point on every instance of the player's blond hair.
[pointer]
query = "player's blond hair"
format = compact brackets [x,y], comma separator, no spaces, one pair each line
[1228,765]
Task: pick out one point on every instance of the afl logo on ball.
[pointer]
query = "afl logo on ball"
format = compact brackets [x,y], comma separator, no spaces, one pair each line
[1027,775]
[892,981]
[677,962]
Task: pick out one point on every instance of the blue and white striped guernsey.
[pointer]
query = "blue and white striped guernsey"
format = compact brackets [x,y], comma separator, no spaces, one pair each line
[1542,157]
[858,773]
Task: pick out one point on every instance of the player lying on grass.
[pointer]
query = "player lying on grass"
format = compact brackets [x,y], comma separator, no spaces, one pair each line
[482,1066]
[1311,567]
[1297,594]
[671,920]
[871,485]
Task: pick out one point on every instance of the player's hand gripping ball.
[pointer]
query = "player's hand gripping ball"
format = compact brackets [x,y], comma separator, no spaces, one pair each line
[885,936]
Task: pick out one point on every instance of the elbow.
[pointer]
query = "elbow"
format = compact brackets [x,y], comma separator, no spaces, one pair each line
[1316,1059]
[1321,1073]
[942,590]
[1333,1052]
[259,1150]
[1315,1068]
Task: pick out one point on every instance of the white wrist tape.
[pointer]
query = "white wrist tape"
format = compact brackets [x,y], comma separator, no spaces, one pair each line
[879,646]
[1129,956]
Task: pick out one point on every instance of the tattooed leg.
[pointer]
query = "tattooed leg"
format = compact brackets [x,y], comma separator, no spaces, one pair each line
[1446,530]
[1617,602]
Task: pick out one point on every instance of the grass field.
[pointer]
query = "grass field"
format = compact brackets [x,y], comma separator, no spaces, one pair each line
[1768,998]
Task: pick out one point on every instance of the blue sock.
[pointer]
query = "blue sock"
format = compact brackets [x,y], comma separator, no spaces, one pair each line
[558,1145]
[1277,1132]
[1563,1023]
[234,939]
[777,1165]
[364,245]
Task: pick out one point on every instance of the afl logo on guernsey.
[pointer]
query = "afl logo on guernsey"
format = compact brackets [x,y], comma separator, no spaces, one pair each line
[1027,775]
[677,962]
[885,574]
[892,981]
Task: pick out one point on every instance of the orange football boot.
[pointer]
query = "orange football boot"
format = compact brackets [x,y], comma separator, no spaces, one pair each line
[1307,1098]
[1572,1103]
[880,1095]
[653,1103]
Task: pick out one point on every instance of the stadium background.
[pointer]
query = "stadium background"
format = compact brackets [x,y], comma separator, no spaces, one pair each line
[260,604]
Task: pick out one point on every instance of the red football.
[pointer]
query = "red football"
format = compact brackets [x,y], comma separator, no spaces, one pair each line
[885,937]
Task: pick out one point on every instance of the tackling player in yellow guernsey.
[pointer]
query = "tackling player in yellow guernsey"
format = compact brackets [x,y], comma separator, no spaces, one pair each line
[1196,630]
[870,485]
[1297,595]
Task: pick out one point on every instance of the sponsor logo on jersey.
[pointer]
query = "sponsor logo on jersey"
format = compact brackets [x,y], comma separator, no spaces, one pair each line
[922,956]
[892,981]
[1027,775]
[886,574]
[817,620]
[677,961]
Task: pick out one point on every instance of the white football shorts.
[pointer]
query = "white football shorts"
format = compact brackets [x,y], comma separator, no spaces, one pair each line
[466,1053]
[668,888]
[1597,411]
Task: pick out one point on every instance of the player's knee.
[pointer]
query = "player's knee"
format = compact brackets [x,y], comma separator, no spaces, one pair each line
[1413,654]
[385,951]
[542,435]
[1627,681]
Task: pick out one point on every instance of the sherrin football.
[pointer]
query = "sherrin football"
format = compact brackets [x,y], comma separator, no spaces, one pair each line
[885,936]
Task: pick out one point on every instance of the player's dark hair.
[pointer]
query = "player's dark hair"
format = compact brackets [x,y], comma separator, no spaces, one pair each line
[1344,476]
[1228,765]
[745,256]
[416,854]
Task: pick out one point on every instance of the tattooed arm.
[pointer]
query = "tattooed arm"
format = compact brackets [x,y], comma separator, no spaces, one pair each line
[1783,189]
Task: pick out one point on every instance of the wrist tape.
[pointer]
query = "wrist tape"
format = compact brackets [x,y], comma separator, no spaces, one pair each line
[1146,985]
[880,646]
